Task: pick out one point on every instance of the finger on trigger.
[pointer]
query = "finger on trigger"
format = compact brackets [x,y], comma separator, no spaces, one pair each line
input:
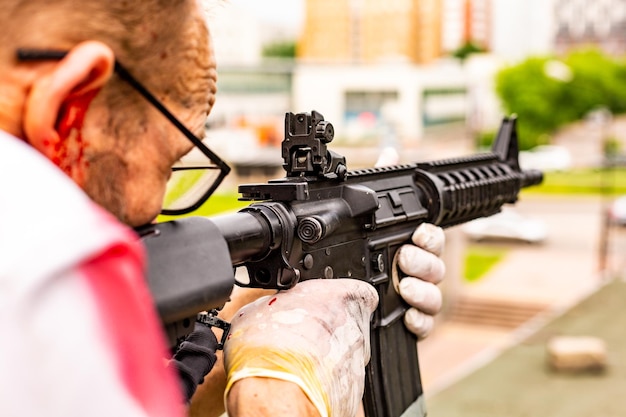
[419,263]
[418,323]
[422,295]
[429,237]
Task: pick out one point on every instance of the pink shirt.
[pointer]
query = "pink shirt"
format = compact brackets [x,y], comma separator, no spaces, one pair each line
[79,335]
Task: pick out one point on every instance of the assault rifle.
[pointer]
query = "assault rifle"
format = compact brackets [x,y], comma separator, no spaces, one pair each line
[323,221]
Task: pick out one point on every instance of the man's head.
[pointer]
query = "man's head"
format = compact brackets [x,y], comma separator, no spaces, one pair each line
[85,119]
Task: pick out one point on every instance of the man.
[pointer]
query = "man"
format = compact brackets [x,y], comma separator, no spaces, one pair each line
[83,155]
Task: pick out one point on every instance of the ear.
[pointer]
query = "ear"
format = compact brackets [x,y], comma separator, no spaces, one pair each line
[84,70]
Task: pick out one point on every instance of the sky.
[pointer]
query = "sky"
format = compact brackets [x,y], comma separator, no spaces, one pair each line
[285,12]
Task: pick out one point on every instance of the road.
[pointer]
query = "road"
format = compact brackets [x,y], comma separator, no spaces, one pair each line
[555,274]
[554,271]
[573,222]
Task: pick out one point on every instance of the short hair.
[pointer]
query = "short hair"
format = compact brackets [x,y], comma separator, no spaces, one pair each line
[145,35]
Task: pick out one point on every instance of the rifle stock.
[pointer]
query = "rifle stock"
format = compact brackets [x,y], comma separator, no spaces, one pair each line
[323,221]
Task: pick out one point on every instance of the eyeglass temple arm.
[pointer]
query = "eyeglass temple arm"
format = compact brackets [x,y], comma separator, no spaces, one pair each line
[43,54]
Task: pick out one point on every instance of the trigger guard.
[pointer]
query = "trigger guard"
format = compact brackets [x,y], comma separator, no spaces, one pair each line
[396,273]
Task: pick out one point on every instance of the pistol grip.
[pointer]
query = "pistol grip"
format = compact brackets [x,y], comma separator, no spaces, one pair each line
[392,378]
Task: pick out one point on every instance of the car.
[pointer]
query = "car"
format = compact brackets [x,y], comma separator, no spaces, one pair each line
[546,158]
[507,225]
[617,212]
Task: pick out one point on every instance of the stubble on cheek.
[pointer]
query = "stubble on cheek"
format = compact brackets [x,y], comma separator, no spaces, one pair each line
[105,184]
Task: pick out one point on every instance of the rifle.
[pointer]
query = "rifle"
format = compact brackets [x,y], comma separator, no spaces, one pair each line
[323,221]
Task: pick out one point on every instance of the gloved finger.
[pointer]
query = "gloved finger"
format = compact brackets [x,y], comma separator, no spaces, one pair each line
[422,295]
[429,237]
[418,323]
[388,156]
[419,263]
[203,336]
[195,358]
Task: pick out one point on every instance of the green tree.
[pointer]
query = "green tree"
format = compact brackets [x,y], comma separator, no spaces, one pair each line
[545,102]
[469,48]
[283,49]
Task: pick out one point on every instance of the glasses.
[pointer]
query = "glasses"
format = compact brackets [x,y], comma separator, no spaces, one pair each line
[195,177]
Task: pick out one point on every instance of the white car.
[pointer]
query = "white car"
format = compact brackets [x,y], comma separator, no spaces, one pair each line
[617,211]
[546,158]
[507,225]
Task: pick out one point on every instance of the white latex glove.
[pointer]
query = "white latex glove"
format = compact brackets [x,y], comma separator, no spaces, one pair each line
[315,335]
[424,267]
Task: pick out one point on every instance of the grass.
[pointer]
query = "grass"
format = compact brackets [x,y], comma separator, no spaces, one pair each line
[218,203]
[583,181]
[180,182]
[480,259]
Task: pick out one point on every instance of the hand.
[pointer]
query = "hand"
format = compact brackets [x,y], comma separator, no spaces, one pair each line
[425,269]
[423,265]
[315,336]
[194,359]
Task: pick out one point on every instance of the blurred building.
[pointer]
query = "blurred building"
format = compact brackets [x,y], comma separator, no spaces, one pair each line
[236,34]
[466,21]
[521,28]
[383,103]
[600,23]
[368,31]
[378,69]
[249,88]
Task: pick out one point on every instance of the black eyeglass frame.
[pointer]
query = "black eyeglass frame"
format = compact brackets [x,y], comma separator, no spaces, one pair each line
[24,54]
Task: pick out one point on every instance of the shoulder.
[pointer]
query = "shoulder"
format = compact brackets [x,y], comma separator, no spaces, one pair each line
[45,217]
[72,279]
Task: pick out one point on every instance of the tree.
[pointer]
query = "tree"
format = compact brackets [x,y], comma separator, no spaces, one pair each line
[283,49]
[544,102]
[464,51]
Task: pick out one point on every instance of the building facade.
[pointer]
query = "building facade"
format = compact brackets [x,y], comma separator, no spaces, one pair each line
[580,23]
[371,31]
[466,21]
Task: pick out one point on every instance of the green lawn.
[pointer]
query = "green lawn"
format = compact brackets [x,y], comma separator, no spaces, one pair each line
[180,182]
[480,259]
[218,203]
[583,181]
